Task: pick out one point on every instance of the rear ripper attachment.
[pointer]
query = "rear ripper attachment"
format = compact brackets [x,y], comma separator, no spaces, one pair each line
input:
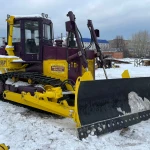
[108,105]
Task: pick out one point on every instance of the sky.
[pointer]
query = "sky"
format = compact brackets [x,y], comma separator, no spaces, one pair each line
[111,17]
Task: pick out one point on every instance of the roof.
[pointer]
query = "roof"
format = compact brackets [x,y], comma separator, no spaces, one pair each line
[99,40]
[28,16]
[85,40]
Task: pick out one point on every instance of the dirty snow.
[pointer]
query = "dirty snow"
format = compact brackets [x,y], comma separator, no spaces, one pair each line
[23,129]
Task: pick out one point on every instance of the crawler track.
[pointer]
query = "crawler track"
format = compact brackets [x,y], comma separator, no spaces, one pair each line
[34,76]
[36,79]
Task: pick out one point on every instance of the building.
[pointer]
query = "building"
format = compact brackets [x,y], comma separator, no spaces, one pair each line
[104,44]
[119,47]
[113,54]
[105,48]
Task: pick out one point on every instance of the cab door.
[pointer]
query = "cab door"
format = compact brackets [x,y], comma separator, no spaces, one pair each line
[32,42]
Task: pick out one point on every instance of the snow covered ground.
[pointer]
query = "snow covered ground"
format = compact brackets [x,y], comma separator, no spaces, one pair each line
[23,129]
[141,71]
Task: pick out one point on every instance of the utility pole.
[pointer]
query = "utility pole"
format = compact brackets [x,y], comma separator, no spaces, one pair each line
[61,36]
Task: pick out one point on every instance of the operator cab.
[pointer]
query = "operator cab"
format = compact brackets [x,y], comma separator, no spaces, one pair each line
[30,33]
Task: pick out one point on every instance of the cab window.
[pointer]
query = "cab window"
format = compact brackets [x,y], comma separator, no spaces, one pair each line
[46,32]
[32,37]
[16,32]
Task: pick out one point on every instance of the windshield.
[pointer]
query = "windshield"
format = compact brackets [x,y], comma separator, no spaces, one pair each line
[16,32]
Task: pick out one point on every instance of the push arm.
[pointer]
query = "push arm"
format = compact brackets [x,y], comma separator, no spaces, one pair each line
[72,27]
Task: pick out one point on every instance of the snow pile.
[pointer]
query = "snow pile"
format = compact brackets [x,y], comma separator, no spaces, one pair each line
[18,60]
[40,86]
[137,104]
[20,83]
[5,56]
[7,46]
[120,110]
[16,84]
[9,81]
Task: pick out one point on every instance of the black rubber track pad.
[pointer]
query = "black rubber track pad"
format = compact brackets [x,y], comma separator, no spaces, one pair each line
[99,100]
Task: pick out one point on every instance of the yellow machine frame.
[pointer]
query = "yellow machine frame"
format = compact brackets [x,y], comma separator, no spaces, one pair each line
[40,101]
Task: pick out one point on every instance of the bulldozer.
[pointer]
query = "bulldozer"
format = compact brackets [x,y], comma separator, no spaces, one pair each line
[59,79]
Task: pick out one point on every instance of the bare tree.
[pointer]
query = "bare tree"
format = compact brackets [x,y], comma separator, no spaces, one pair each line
[140,43]
[120,44]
